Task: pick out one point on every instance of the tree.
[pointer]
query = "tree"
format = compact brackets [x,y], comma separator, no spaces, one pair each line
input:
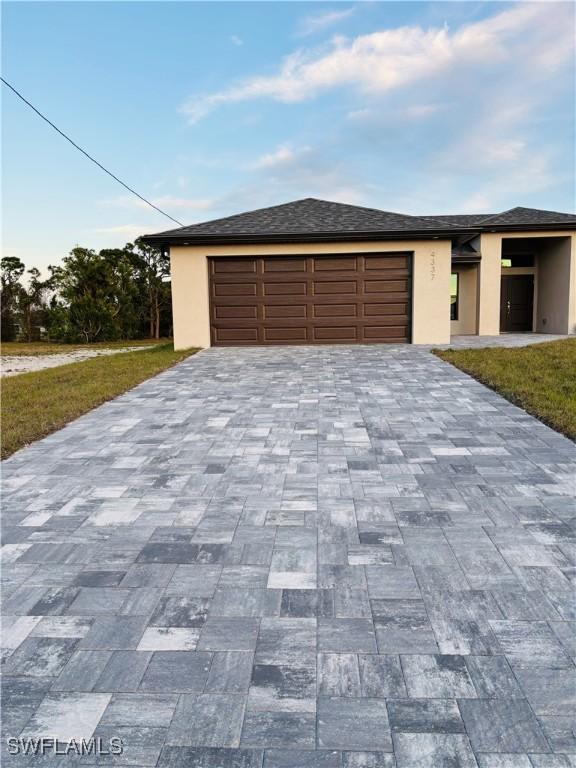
[125,291]
[11,269]
[31,303]
[117,293]
[155,269]
[83,284]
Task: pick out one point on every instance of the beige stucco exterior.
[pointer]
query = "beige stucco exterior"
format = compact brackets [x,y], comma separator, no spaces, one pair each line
[431,284]
[479,300]
[467,323]
[555,305]
[490,270]
[555,281]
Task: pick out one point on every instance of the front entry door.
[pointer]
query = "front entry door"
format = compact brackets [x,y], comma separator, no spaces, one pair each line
[517,302]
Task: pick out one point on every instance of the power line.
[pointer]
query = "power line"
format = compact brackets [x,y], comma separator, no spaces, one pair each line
[50,123]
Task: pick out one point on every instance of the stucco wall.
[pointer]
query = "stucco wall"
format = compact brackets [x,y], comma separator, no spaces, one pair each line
[467,322]
[490,269]
[431,284]
[556,281]
[556,288]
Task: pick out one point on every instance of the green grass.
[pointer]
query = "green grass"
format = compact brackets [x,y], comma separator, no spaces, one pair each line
[35,348]
[540,378]
[36,404]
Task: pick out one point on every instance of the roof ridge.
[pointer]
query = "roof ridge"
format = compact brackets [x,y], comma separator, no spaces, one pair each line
[373,210]
[508,210]
[496,216]
[234,216]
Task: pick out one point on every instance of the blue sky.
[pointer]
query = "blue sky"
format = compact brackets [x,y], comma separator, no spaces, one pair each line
[213,108]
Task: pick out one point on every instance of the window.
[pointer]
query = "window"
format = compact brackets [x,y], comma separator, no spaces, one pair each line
[518,260]
[454,296]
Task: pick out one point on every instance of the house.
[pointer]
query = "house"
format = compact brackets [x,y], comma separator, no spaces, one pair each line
[318,272]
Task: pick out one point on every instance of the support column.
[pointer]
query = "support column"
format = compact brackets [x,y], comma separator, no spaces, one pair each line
[490,274]
[431,292]
[572,289]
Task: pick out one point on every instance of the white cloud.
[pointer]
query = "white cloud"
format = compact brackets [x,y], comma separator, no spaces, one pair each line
[504,151]
[361,114]
[530,172]
[284,155]
[235,40]
[411,112]
[479,202]
[164,202]
[536,34]
[417,111]
[291,172]
[319,22]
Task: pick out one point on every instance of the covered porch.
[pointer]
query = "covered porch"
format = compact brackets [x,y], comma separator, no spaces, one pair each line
[513,284]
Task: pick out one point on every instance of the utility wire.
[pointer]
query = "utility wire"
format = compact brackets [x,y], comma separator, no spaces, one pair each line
[50,123]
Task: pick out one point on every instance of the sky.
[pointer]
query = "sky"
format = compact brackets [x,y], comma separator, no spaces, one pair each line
[214,108]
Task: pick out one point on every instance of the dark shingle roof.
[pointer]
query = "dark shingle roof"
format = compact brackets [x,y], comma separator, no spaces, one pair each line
[308,216]
[462,219]
[312,219]
[520,216]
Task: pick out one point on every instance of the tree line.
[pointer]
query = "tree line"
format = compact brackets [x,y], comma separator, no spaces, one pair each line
[112,294]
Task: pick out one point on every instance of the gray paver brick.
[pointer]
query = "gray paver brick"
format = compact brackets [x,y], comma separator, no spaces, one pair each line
[498,725]
[322,557]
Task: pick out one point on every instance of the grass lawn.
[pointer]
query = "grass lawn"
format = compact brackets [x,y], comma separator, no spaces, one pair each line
[540,378]
[36,404]
[20,348]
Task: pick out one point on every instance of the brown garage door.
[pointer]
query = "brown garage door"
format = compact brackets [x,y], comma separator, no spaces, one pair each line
[356,298]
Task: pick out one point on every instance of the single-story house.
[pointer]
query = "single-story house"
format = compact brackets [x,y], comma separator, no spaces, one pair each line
[318,272]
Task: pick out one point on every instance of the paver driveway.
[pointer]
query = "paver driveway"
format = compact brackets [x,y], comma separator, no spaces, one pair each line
[330,556]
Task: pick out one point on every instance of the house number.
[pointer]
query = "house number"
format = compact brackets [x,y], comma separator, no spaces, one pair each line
[432,265]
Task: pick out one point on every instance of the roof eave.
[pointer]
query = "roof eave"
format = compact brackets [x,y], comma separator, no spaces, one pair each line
[549,227]
[163,240]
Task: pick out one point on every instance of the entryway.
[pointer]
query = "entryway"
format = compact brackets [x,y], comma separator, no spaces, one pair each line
[517,303]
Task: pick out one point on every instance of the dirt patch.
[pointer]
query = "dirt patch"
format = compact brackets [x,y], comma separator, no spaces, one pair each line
[12,365]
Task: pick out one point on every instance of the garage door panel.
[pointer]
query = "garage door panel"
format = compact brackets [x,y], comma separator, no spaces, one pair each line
[334,310]
[330,299]
[234,289]
[233,266]
[274,311]
[284,265]
[387,321]
[230,335]
[386,262]
[292,335]
[248,312]
[390,274]
[340,264]
[385,286]
[284,289]
[393,296]
[335,333]
[339,287]
[373,332]
[375,310]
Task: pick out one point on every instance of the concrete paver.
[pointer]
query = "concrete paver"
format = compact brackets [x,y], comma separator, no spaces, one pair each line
[316,556]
